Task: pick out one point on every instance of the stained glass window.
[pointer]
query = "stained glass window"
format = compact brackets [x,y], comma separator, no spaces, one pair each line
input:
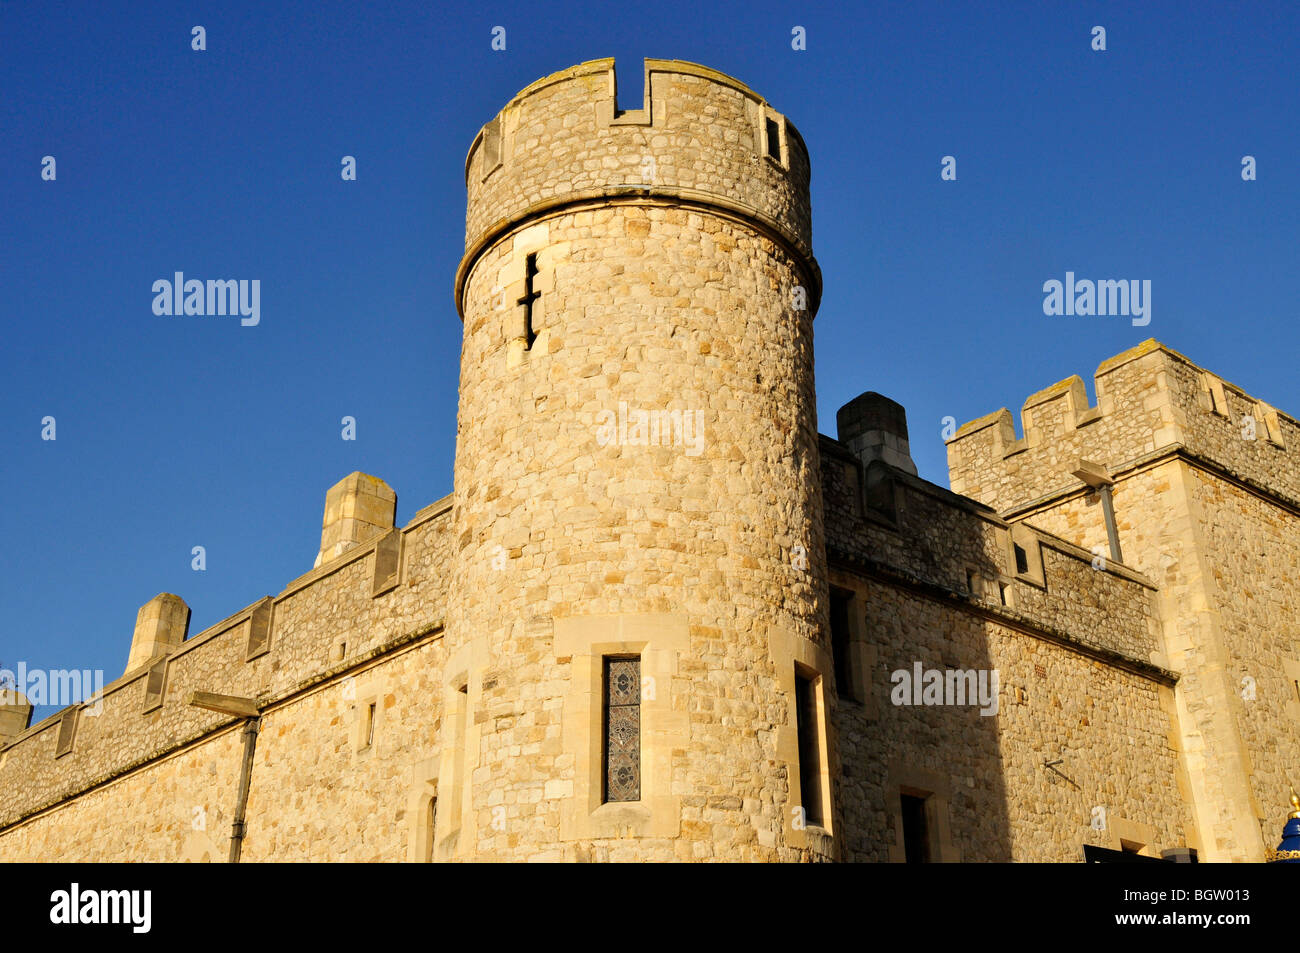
[622,729]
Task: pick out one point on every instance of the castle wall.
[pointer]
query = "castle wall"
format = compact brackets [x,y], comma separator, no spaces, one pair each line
[327,786]
[1108,730]
[178,809]
[1079,663]
[639,473]
[320,628]
[1256,562]
[1205,505]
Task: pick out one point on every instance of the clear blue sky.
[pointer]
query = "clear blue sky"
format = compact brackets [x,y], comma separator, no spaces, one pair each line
[177,432]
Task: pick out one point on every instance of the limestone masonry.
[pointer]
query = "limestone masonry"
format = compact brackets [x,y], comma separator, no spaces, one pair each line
[662,617]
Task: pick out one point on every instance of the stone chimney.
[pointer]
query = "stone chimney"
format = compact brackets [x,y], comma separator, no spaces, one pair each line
[875,428]
[15,713]
[357,509]
[160,628]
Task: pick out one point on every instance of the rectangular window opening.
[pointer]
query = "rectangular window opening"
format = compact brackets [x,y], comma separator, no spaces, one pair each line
[916,830]
[369,728]
[1022,559]
[432,821]
[810,749]
[774,139]
[841,606]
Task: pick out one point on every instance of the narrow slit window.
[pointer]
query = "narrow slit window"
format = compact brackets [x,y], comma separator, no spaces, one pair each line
[529,300]
[810,749]
[622,729]
[1022,559]
[916,831]
[433,828]
[841,606]
[369,732]
[774,139]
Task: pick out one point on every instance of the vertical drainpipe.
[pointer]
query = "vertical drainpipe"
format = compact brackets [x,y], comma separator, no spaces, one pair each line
[1112,531]
[251,727]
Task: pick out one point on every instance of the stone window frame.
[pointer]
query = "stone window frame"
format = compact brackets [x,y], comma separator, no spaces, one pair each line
[153,699]
[790,653]
[492,144]
[862,652]
[369,688]
[66,738]
[768,114]
[1272,426]
[1212,387]
[659,639]
[458,753]
[421,848]
[512,278]
[1291,672]
[903,778]
[1028,540]
[1120,830]
[260,622]
[388,563]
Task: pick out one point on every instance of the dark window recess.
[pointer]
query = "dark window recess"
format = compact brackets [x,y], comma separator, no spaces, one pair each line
[1022,559]
[916,832]
[841,606]
[810,753]
[622,729]
[774,139]
[529,298]
[433,829]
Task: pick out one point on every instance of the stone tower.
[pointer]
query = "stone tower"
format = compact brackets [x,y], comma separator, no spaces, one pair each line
[637,291]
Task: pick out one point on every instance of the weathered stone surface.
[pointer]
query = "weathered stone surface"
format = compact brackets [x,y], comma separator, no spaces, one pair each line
[639,472]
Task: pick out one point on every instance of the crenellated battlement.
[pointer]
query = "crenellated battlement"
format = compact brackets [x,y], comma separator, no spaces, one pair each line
[1149,399]
[380,593]
[701,138]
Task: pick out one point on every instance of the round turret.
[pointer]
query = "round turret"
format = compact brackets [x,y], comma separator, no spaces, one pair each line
[637,611]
